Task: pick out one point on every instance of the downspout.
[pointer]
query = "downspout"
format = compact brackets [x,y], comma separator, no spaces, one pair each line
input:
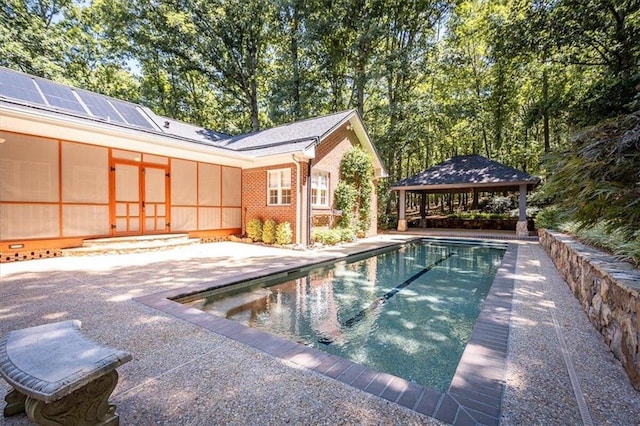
[308,242]
[309,223]
[298,203]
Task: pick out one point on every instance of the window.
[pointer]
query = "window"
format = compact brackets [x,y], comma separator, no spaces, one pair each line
[279,187]
[320,189]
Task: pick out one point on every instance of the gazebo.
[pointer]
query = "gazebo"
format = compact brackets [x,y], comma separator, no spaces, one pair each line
[469,173]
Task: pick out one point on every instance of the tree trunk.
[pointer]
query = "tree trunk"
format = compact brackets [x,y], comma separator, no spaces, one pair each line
[545,110]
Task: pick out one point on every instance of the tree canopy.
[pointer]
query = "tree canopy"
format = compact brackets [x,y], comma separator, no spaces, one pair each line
[515,80]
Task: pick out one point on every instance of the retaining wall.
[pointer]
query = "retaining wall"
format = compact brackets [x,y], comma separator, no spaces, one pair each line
[609,291]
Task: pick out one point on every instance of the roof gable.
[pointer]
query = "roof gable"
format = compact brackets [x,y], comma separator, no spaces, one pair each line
[311,130]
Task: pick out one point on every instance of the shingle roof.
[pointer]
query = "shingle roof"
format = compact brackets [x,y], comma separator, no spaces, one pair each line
[469,171]
[189,131]
[298,131]
[28,92]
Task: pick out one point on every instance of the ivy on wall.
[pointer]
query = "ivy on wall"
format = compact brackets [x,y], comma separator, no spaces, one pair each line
[355,189]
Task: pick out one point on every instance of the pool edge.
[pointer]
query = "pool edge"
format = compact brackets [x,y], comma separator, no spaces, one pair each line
[477,388]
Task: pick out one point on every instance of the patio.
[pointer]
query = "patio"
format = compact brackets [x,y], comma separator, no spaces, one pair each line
[558,369]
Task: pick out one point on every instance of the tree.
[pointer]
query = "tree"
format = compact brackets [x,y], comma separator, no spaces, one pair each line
[31,38]
[223,40]
[596,177]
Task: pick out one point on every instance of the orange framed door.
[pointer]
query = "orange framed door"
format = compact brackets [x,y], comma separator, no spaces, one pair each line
[154,204]
[140,199]
[127,210]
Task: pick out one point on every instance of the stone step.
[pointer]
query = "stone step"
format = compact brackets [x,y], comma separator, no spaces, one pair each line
[135,244]
[135,239]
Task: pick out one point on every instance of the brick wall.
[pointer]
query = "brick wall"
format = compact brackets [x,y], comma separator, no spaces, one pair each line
[328,156]
[254,197]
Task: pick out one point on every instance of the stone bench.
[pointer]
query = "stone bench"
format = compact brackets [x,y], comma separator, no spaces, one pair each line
[59,376]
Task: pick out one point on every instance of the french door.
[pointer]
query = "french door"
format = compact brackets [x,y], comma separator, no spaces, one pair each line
[140,199]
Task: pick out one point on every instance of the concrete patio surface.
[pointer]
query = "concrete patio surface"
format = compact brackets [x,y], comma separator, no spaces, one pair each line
[559,371]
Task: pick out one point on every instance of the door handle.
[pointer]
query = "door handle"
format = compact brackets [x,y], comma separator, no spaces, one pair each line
[143,205]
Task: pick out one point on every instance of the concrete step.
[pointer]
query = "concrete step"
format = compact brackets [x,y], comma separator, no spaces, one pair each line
[134,244]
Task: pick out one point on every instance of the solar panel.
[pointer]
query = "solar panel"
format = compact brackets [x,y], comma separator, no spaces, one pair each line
[131,114]
[19,86]
[60,96]
[99,106]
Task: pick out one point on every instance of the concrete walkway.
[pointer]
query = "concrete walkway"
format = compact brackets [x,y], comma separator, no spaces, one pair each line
[183,374]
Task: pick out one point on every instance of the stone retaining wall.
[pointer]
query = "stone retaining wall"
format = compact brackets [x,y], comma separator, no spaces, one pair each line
[459,223]
[609,291]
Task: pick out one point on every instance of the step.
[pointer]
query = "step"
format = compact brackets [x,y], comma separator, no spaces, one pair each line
[134,239]
[122,245]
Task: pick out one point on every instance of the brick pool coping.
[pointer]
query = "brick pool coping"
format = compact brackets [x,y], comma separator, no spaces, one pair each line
[476,390]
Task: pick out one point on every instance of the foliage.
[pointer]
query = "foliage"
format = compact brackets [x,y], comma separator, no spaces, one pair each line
[596,179]
[550,218]
[500,205]
[345,197]
[616,242]
[329,237]
[284,233]
[269,231]
[347,235]
[356,171]
[254,229]
[478,215]
[511,80]
[32,39]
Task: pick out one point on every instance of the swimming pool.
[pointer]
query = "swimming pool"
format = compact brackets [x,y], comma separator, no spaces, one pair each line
[408,311]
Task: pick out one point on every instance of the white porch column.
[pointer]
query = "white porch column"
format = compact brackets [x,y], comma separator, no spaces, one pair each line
[402,221]
[521,226]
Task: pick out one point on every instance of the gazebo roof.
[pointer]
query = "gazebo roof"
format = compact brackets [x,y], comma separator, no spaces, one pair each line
[465,172]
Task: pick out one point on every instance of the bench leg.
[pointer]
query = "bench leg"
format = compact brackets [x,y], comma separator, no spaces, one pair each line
[15,403]
[88,405]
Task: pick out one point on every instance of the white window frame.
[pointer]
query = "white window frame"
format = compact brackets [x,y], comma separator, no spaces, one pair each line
[320,185]
[278,188]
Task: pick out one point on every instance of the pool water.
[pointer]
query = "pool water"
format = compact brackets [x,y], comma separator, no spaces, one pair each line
[408,311]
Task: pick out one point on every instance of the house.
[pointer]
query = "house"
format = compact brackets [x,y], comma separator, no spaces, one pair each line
[77,165]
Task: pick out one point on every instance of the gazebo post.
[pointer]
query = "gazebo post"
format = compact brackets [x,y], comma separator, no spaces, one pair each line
[402,221]
[521,227]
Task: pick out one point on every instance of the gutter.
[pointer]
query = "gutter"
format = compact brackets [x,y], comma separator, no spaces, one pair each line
[298,201]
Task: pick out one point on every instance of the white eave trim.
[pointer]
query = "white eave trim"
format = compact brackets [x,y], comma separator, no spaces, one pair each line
[73,129]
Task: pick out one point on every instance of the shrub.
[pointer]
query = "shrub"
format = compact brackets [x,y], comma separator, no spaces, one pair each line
[327,236]
[254,229]
[347,235]
[356,172]
[284,234]
[269,231]
[550,218]
[500,205]
[345,199]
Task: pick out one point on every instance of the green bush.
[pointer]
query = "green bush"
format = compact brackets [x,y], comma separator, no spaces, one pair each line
[284,234]
[479,215]
[269,231]
[345,197]
[500,205]
[327,236]
[615,241]
[356,172]
[347,235]
[550,218]
[254,229]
